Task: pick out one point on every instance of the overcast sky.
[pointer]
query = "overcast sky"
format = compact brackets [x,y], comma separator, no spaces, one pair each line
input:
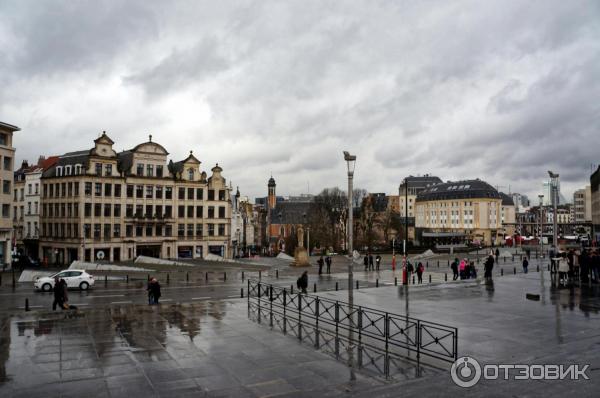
[501,91]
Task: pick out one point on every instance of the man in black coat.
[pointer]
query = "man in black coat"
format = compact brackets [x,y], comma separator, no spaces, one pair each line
[302,282]
[58,295]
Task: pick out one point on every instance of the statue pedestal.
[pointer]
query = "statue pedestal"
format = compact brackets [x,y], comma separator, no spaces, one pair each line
[300,257]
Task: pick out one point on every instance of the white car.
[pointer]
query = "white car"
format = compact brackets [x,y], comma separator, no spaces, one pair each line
[75,278]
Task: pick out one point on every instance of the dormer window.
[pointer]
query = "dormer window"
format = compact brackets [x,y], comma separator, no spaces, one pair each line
[77,169]
[191,174]
[68,170]
[59,171]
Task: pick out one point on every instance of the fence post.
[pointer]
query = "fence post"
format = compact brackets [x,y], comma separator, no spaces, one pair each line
[300,316]
[359,337]
[259,275]
[376,282]
[242,293]
[187,276]
[336,286]
[284,311]
[501,271]
[356,285]
[259,292]
[386,364]
[429,278]
[413,282]
[271,305]
[315,287]
[224,276]
[337,324]
[167,278]
[445,277]
[396,281]
[26,304]
[515,270]
[127,278]
[105,280]
[242,275]
[277,273]
[418,337]
[317,322]
[206,276]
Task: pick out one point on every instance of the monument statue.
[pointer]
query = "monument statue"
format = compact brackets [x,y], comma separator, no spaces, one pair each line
[300,254]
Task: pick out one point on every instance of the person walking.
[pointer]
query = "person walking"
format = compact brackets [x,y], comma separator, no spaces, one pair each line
[461,269]
[525,264]
[302,282]
[473,270]
[155,290]
[497,254]
[366,261]
[64,292]
[584,265]
[377,262]
[371,267]
[488,267]
[563,269]
[454,267]
[595,266]
[420,270]
[320,262]
[328,262]
[58,295]
[150,291]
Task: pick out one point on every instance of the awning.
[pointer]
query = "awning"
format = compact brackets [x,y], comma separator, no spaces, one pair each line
[443,234]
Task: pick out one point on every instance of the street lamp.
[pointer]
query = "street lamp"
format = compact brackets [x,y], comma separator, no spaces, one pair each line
[307,233]
[541,235]
[554,196]
[350,163]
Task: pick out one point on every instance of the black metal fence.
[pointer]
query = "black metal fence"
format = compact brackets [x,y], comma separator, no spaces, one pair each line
[379,338]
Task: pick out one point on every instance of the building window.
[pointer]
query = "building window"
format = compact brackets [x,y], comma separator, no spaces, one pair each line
[37,188]
[221,229]
[6,187]
[148,230]
[107,231]
[211,229]
[77,169]
[7,163]
[76,188]
[181,211]
[29,189]
[181,194]
[68,170]
[87,189]
[168,211]
[98,189]
[87,210]
[117,210]
[159,171]
[199,230]
[168,231]
[159,230]
[190,211]
[199,211]
[149,191]
[128,210]
[180,230]
[139,210]
[107,189]
[97,230]
[6,211]
[108,170]
[140,169]
[87,230]
[190,193]
[211,212]
[139,191]
[150,170]
[158,192]
[199,193]
[211,194]
[159,211]
[75,209]
[3,139]
[97,209]
[98,169]
[117,230]
[169,193]
[149,211]
[130,191]
[70,189]
[190,230]
[139,230]
[117,190]
[59,171]
[221,212]
[107,210]
[129,231]
[221,194]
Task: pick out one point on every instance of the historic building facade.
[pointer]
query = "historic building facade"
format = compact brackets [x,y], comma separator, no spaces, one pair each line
[98,204]
[459,212]
[7,160]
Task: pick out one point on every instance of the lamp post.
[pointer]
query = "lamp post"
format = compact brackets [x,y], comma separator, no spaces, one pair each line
[350,163]
[554,193]
[307,233]
[404,263]
[541,235]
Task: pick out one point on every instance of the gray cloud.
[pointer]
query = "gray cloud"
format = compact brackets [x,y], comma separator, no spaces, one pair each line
[502,91]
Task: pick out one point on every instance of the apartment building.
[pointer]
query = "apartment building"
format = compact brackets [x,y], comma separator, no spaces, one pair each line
[98,204]
[7,159]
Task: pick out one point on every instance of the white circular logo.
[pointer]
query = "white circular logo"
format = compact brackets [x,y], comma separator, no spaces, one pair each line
[100,255]
[465,372]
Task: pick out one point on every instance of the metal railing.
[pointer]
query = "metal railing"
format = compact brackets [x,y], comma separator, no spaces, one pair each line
[326,323]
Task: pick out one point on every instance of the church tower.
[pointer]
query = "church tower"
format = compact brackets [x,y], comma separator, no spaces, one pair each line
[272,198]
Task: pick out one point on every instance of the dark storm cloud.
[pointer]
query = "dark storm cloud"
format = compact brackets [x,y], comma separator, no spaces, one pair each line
[501,91]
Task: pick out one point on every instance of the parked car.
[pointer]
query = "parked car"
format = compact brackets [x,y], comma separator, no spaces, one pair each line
[75,278]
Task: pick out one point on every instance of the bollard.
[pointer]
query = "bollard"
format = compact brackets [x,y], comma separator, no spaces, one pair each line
[148,276]
[315,287]
[292,289]
[105,280]
[336,286]
[515,271]
[168,278]
[376,282]
[242,275]
[259,274]
[242,293]
[13,277]
[127,278]
[427,264]
[513,257]
[504,258]
[445,277]
[501,271]
[448,263]
[438,263]
[413,279]
[277,273]
[26,304]
[206,276]
[429,278]
[224,276]
[187,276]
[395,281]
[356,285]
[538,268]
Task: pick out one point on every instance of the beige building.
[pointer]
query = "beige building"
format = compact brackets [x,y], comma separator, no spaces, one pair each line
[582,205]
[102,205]
[7,159]
[460,212]
[508,215]
[595,192]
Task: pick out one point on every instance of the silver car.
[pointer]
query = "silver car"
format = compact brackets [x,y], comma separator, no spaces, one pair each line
[75,278]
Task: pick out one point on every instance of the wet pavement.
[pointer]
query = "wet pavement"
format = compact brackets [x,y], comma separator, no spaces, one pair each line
[211,348]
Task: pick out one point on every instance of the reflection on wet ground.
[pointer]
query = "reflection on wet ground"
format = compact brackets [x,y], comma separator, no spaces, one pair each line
[208,348]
